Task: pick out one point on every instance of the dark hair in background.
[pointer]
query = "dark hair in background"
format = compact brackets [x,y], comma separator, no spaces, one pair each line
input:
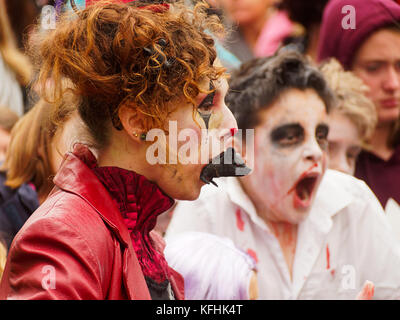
[307,13]
[259,82]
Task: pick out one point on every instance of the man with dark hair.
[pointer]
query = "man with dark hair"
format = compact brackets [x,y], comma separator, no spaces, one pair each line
[315,233]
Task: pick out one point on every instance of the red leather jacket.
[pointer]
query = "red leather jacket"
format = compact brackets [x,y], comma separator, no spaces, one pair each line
[77,246]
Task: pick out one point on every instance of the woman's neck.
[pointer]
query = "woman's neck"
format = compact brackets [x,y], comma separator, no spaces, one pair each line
[123,153]
[378,143]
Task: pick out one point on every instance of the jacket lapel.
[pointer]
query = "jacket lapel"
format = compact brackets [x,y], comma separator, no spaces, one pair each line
[69,177]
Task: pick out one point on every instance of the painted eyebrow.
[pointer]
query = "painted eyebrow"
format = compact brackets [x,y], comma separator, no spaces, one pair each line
[209,98]
[281,131]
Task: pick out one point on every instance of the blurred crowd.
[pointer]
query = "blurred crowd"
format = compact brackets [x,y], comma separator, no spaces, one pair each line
[317,80]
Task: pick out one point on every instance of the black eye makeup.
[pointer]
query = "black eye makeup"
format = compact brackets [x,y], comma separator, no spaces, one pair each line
[287,135]
[321,134]
[204,108]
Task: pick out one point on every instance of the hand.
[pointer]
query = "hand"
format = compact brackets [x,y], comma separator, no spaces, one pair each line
[367,292]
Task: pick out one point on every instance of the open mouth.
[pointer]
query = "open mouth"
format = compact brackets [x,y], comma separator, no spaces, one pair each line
[304,189]
[227,164]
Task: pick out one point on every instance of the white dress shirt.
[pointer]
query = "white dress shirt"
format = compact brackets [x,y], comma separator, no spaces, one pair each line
[345,240]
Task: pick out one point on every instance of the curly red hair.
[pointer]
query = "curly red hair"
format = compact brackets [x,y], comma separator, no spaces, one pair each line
[117,53]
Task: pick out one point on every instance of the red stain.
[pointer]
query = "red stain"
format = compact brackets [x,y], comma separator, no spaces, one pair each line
[333,272]
[370,291]
[253,255]
[233,131]
[327,258]
[239,221]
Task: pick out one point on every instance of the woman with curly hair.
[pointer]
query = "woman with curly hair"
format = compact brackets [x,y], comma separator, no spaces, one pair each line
[141,71]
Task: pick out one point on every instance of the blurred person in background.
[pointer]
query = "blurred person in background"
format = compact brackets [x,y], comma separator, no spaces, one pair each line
[370,47]
[352,121]
[308,15]
[37,145]
[257,27]
[23,15]
[15,68]
[8,118]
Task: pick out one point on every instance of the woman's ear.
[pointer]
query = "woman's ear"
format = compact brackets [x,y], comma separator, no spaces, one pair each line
[132,122]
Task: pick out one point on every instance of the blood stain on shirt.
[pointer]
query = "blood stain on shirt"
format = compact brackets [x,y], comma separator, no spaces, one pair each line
[327,258]
[239,220]
[253,254]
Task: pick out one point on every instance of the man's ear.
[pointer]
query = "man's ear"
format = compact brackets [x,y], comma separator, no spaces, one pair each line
[132,121]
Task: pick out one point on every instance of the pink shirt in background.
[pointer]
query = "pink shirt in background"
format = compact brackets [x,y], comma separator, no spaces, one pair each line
[277,28]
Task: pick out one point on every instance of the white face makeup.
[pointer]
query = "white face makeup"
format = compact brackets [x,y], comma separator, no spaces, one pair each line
[197,130]
[344,143]
[290,155]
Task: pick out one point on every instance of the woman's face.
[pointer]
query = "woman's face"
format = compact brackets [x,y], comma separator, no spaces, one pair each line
[290,155]
[344,143]
[377,62]
[193,138]
[245,11]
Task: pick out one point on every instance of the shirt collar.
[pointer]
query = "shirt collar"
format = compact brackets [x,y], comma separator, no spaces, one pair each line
[331,198]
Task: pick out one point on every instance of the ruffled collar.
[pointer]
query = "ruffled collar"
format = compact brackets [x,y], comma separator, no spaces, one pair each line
[140,203]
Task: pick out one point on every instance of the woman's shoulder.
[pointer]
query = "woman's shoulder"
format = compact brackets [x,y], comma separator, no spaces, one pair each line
[69,218]
[67,236]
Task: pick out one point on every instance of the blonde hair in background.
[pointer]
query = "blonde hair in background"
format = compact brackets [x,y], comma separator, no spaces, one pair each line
[28,155]
[3,257]
[8,118]
[352,100]
[12,57]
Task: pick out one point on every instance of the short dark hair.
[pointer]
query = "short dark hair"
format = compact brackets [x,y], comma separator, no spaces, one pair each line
[259,82]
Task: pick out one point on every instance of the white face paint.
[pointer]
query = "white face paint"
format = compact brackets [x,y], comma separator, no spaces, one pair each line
[290,155]
[207,131]
[344,143]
